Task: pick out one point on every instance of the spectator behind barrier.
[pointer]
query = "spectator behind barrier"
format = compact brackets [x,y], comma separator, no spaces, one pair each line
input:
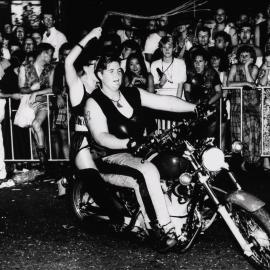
[37,79]
[52,36]
[244,75]
[61,119]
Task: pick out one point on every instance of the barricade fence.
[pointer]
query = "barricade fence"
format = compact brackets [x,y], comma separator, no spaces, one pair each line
[238,101]
[19,142]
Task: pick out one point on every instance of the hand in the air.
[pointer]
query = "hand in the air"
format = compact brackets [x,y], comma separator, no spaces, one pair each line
[96,32]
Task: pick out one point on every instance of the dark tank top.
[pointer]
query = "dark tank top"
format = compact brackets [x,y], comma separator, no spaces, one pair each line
[78,110]
[119,125]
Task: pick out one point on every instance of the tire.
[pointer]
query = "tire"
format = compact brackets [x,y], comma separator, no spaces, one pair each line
[82,205]
[255,228]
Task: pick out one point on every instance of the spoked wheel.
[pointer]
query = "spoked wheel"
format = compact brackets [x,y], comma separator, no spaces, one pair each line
[255,228]
[193,229]
[83,205]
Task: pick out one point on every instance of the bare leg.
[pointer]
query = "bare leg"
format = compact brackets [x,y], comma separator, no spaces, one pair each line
[38,131]
[39,137]
[55,141]
[64,142]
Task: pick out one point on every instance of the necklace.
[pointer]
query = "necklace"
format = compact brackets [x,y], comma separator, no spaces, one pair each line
[118,104]
[169,75]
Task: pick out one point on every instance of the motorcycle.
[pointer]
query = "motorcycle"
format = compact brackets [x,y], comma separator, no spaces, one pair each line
[190,170]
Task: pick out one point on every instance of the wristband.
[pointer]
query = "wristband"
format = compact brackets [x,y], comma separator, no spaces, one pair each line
[78,44]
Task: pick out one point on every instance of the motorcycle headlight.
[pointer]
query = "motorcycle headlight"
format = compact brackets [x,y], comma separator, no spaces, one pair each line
[237,147]
[213,159]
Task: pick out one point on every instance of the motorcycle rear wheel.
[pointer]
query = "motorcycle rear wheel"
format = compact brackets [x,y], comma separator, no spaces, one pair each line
[255,228]
[83,205]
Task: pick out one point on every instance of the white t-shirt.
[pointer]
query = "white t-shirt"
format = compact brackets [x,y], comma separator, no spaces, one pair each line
[175,72]
[6,53]
[56,39]
[151,43]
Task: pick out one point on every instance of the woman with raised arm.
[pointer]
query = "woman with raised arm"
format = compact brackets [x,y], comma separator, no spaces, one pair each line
[115,120]
[80,88]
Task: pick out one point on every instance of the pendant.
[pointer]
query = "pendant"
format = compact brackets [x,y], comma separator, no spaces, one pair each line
[118,104]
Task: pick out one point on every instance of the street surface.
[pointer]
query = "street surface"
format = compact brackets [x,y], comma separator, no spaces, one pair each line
[38,232]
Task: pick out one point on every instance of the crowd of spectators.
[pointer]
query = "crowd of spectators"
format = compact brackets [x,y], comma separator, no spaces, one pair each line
[193,61]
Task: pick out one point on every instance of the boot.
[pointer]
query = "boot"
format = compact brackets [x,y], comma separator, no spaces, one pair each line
[42,155]
[166,236]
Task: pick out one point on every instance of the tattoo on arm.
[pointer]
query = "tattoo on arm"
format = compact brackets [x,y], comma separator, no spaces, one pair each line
[87,117]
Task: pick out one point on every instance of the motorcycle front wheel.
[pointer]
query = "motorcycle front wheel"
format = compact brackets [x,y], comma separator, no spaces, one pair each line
[255,228]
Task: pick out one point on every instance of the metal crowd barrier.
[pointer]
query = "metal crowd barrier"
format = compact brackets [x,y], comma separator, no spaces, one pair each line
[161,123]
[166,123]
[264,106]
[47,135]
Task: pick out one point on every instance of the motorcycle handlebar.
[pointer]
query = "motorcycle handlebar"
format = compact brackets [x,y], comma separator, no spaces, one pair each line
[170,137]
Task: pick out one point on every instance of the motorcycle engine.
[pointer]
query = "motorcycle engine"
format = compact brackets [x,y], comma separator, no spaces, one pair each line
[170,165]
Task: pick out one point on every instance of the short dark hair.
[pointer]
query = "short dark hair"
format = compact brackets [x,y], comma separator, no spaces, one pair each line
[17,58]
[132,44]
[104,61]
[165,40]
[48,13]
[222,34]
[43,47]
[248,49]
[65,46]
[246,24]
[224,61]
[200,52]
[203,29]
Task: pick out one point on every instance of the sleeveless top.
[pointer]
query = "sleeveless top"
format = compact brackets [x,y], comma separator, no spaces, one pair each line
[119,125]
[78,111]
[43,79]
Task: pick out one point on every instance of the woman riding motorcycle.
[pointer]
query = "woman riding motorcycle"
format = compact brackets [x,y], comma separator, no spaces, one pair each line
[114,117]
[80,88]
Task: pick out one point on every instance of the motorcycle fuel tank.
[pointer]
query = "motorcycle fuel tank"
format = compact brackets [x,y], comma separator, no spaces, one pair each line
[170,165]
